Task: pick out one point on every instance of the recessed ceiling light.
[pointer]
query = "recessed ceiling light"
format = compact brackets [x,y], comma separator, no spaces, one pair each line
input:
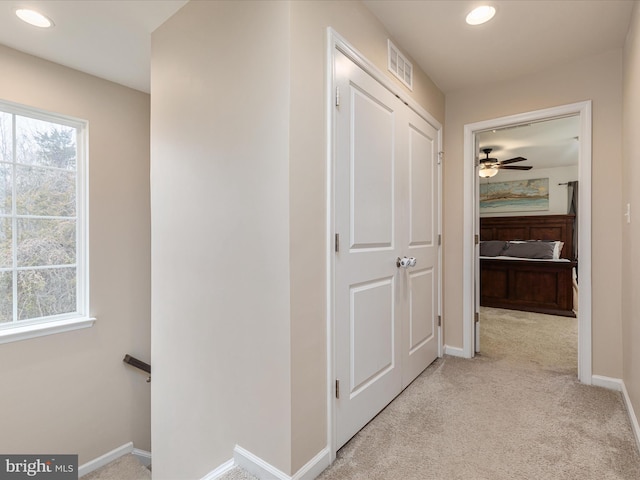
[34,18]
[480,15]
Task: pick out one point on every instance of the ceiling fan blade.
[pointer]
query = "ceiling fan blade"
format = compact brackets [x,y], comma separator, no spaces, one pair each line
[515,167]
[513,160]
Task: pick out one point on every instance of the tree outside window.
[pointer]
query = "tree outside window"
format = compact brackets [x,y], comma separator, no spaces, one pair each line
[41,241]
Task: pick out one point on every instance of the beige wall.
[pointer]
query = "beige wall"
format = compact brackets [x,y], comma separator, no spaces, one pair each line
[309,21]
[598,79]
[70,392]
[220,237]
[631,194]
[237,158]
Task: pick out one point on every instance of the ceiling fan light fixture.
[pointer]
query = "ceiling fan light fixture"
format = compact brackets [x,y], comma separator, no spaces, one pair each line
[480,15]
[488,172]
[32,17]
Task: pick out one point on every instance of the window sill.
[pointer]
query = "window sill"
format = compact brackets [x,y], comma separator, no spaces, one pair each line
[41,329]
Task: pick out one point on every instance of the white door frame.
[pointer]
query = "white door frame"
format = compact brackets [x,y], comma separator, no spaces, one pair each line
[470,216]
[336,42]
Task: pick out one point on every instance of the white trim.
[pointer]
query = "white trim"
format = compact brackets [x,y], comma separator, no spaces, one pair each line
[105,459]
[609,383]
[221,470]
[330,155]
[265,471]
[256,466]
[143,456]
[618,385]
[335,42]
[632,415]
[583,109]
[17,330]
[454,351]
[25,332]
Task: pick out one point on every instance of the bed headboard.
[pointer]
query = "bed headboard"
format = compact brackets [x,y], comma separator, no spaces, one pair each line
[536,227]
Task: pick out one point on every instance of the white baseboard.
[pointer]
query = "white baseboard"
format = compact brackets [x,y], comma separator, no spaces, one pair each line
[264,471]
[618,385]
[221,470]
[632,415]
[453,351]
[108,457]
[256,466]
[607,382]
[143,456]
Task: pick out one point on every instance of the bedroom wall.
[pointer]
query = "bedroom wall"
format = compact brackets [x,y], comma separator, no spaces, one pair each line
[631,195]
[565,84]
[70,392]
[558,196]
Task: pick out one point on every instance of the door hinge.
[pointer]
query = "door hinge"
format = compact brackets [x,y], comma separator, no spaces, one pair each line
[476,238]
[337,242]
[337,388]
[476,317]
[439,320]
[440,157]
[337,96]
[439,239]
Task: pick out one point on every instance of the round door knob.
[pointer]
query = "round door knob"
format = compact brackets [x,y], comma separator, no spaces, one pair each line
[406,262]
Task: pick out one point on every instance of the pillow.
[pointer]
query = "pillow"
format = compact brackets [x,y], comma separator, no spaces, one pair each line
[492,248]
[557,246]
[537,250]
[557,250]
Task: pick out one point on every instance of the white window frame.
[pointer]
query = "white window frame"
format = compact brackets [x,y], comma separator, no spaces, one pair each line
[81,318]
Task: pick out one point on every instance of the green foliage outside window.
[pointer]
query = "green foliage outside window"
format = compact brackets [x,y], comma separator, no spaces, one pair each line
[38,218]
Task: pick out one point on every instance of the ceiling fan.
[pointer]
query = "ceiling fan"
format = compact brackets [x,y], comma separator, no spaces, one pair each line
[489,166]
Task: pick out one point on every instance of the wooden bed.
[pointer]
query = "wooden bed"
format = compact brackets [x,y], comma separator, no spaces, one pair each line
[543,286]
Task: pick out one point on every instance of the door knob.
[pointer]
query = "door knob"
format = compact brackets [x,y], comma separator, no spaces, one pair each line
[406,262]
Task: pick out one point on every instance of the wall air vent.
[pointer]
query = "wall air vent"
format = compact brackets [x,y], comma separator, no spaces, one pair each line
[400,66]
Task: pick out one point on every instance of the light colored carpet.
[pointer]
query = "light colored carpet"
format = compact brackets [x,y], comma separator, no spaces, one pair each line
[515,412]
[238,474]
[126,467]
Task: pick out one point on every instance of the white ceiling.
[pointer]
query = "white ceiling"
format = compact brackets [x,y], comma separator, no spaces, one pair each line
[548,144]
[112,39]
[525,36]
[107,38]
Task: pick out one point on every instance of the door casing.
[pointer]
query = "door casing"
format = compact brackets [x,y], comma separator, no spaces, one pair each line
[470,217]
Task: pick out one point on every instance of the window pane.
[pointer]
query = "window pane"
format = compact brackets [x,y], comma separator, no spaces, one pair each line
[46,242]
[6,297]
[45,143]
[5,188]
[45,192]
[6,260]
[6,142]
[46,292]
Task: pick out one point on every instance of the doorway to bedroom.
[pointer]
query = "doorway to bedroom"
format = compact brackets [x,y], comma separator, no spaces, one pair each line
[528,251]
[529,176]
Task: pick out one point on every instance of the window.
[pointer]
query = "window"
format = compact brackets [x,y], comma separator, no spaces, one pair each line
[43,224]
